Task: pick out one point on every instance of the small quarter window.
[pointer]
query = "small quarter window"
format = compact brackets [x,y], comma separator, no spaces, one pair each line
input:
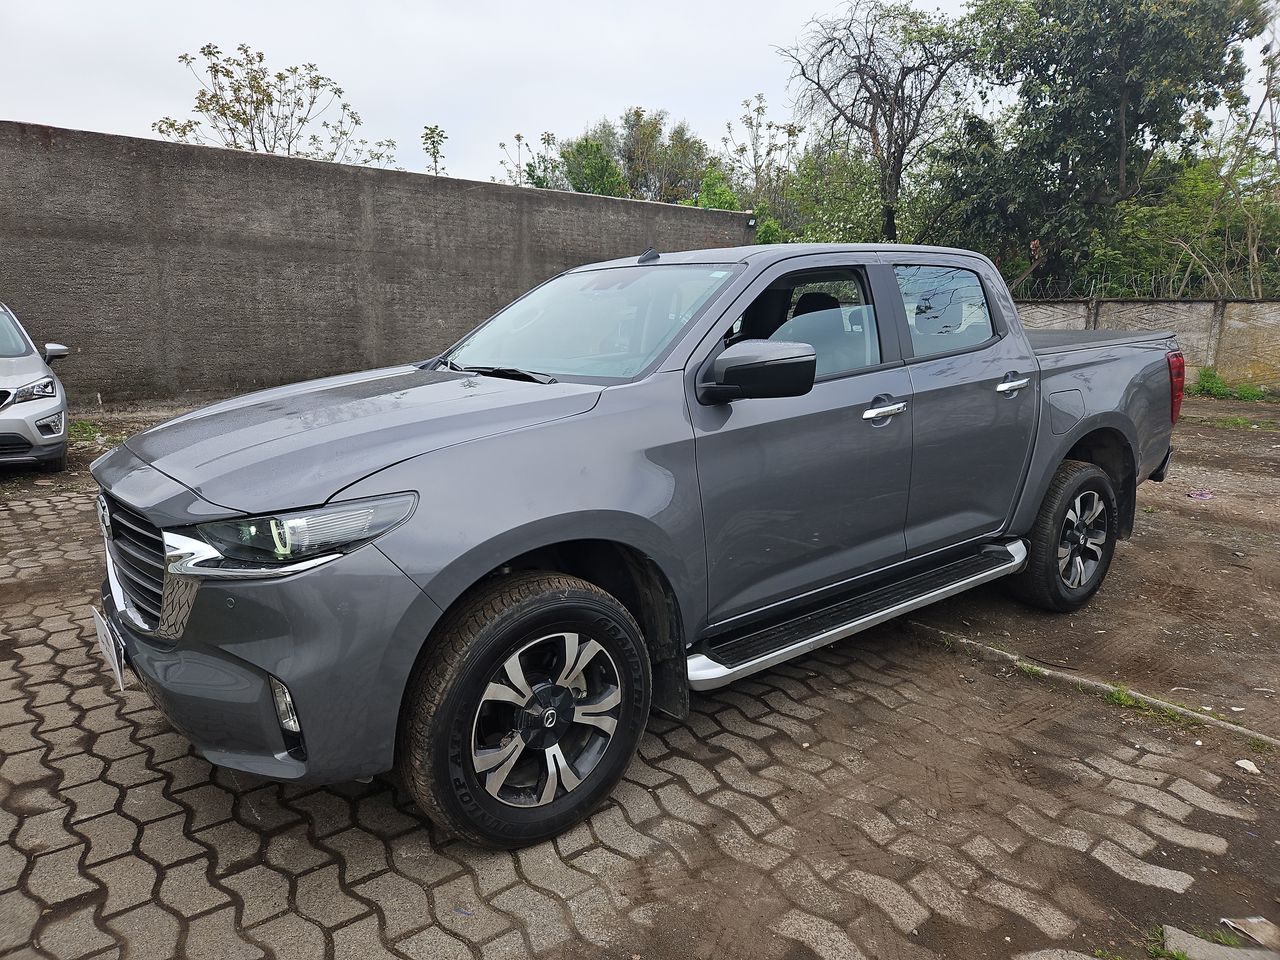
[946,309]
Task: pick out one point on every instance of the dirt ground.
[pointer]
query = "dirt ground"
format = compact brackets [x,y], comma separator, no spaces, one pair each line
[1190,611]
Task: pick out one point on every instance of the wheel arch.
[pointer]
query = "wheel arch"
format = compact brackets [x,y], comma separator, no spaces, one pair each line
[642,578]
[1110,450]
[1110,442]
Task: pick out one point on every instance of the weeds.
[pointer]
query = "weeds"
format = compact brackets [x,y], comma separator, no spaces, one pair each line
[1222,935]
[1030,669]
[86,431]
[1211,384]
[1258,746]
[1121,697]
[1157,950]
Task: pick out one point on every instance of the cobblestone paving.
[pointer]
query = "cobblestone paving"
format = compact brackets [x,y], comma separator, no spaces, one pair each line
[881,799]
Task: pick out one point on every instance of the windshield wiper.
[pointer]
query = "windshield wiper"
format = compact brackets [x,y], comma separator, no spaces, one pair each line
[508,373]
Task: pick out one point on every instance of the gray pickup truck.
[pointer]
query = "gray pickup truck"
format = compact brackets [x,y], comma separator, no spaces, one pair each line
[643,477]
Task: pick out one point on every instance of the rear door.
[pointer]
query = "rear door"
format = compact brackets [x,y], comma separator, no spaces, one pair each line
[975,386]
[800,493]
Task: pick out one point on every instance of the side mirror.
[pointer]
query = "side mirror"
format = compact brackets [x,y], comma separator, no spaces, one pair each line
[53,351]
[760,369]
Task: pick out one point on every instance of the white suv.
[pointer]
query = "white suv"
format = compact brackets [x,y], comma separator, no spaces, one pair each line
[33,405]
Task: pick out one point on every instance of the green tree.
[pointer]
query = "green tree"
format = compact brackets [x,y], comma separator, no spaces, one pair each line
[714,193]
[245,105]
[759,156]
[530,166]
[433,138]
[589,168]
[660,163]
[1101,87]
[886,77]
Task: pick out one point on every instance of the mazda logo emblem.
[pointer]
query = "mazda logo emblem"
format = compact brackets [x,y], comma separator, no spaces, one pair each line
[549,717]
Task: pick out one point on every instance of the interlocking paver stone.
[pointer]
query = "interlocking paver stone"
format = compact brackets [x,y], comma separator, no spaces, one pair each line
[861,802]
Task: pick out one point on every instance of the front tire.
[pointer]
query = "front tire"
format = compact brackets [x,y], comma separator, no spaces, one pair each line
[525,709]
[55,464]
[1073,540]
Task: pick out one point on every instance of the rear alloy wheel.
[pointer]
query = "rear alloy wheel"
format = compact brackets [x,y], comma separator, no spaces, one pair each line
[1084,539]
[525,708]
[1072,541]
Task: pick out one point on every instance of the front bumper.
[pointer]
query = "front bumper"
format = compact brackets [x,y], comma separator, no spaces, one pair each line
[342,638]
[21,441]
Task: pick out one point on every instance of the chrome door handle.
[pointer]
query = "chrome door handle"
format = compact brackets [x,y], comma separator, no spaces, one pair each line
[1011,386]
[879,413]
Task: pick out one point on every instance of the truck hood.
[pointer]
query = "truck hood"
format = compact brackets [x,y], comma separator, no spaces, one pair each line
[298,445]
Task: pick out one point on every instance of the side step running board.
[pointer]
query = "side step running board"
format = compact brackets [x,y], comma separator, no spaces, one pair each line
[743,655]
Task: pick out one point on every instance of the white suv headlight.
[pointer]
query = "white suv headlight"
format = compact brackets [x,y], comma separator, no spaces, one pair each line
[40,390]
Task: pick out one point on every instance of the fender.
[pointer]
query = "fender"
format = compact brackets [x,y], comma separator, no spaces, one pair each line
[1050,451]
[628,530]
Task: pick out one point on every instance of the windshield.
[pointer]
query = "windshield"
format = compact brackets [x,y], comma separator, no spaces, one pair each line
[609,323]
[12,342]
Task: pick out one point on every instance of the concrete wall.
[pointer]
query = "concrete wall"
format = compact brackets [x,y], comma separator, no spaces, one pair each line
[170,268]
[1239,338]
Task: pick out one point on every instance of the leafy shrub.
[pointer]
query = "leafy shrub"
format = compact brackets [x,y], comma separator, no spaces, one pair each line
[1249,392]
[1210,385]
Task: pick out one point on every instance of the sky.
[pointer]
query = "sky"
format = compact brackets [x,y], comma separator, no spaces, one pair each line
[483,71]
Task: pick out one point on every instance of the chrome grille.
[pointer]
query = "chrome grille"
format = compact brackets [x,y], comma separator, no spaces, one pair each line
[137,548]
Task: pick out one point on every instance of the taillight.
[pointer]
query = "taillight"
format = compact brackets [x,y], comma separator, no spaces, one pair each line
[1177,382]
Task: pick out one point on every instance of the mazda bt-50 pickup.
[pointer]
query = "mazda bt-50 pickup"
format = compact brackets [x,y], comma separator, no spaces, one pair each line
[643,477]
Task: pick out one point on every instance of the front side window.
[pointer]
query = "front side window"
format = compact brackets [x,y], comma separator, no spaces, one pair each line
[829,310]
[946,309]
[608,324]
[12,342]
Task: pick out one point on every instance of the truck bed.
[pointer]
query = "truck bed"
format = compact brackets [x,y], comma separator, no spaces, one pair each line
[1064,341]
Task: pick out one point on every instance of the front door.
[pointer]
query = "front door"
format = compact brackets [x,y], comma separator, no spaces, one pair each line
[799,493]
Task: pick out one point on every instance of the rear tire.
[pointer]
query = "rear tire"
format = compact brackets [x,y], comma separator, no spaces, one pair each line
[525,709]
[1072,541]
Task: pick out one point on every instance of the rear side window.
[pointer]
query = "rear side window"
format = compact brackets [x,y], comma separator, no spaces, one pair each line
[946,309]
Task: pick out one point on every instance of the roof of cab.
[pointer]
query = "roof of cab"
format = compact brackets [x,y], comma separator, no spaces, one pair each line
[763,254]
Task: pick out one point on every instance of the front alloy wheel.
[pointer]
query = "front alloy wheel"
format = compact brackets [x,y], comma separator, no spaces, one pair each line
[527,704]
[545,719]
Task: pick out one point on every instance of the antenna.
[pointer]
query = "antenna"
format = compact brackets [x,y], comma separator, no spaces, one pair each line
[648,256]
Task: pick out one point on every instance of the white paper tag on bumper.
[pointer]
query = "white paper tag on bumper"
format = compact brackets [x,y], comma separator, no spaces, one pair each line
[107,644]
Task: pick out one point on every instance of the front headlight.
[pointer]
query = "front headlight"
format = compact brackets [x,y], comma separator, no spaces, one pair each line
[289,537]
[39,390]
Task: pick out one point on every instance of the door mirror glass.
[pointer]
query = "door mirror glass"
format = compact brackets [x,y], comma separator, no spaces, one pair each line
[52,351]
[760,369]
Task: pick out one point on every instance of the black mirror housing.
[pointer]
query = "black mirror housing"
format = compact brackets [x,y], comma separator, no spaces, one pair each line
[758,369]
